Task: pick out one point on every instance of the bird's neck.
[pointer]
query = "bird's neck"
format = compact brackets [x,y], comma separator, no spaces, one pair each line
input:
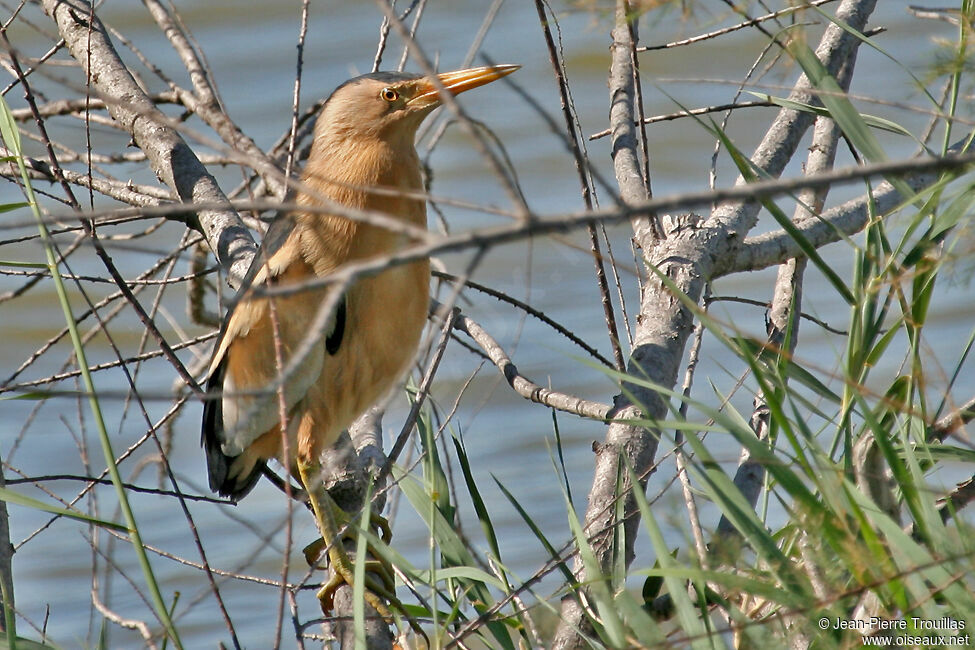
[365,174]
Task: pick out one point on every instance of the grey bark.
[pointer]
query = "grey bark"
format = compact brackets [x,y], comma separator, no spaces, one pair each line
[636,444]
[783,317]
[346,475]
[170,157]
[687,257]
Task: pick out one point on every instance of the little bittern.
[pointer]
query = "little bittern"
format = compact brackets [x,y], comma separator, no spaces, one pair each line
[363,157]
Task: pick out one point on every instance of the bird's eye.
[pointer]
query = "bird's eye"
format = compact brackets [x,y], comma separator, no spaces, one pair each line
[389,94]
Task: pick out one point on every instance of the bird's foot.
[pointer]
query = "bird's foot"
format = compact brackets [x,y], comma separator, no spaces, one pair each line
[331,519]
[379,585]
[379,576]
[338,561]
[343,522]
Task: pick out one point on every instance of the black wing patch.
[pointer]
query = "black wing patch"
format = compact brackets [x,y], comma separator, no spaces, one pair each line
[334,339]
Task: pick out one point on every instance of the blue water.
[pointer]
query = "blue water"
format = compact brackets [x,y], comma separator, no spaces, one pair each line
[250,48]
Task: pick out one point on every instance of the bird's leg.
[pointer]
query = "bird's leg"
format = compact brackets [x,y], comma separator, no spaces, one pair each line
[330,519]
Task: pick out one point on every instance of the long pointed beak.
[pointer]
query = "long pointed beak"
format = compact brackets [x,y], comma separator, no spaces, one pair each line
[459,81]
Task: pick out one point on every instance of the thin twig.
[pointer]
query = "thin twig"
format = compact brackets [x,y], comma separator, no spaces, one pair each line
[726,30]
[572,137]
[692,112]
[528,309]
[525,387]
[32,480]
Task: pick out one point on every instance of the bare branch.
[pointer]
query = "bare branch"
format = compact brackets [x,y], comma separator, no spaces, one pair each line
[623,440]
[683,259]
[786,304]
[587,193]
[79,106]
[692,112]
[170,157]
[126,192]
[783,136]
[525,387]
[772,248]
[7,599]
[742,25]
[131,624]
[204,101]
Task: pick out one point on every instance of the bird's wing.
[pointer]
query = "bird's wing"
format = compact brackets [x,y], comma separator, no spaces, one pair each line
[271,259]
[245,361]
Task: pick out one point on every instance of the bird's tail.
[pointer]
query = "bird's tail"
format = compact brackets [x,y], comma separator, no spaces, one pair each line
[227,477]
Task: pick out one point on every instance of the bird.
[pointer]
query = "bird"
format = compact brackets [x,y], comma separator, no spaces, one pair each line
[363,158]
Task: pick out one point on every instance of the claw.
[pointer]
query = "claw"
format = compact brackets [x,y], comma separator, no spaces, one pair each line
[314,551]
[326,595]
[374,593]
[380,583]
[380,522]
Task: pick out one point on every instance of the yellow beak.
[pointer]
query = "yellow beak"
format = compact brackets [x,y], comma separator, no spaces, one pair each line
[460,80]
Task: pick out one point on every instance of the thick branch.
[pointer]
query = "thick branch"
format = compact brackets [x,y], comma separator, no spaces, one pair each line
[783,137]
[636,444]
[170,157]
[846,219]
[951,423]
[686,256]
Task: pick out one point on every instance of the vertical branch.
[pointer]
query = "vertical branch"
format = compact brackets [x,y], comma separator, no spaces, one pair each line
[581,167]
[296,99]
[786,306]
[622,110]
[784,134]
[681,260]
[640,116]
[204,100]
[635,443]
[681,458]
[346,481]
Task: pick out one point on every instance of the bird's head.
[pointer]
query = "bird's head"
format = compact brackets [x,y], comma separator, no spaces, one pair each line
[391,105]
